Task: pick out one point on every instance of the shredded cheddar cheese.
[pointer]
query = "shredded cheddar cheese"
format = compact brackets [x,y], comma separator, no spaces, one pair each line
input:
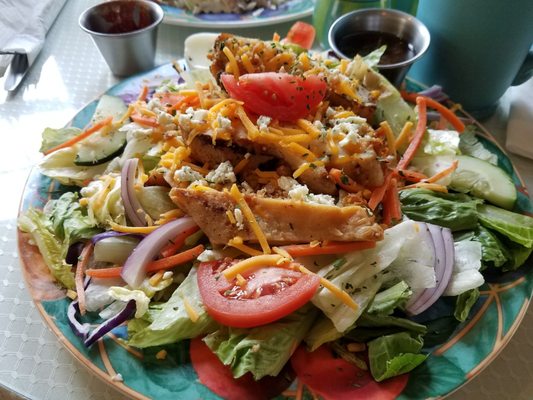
[263,260]
[245,208]
[232,62]
[389,135]
[191,312]
[238,243]
[341,294]
[132,229]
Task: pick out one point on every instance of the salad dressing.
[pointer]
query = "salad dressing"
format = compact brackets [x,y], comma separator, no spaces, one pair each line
[364,42]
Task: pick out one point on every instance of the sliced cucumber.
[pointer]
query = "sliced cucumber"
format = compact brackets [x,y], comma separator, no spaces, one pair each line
[109,106]
[101,149]
[485,180]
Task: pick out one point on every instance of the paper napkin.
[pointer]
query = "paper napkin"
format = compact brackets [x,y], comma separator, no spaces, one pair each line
[520,126]
[23,27]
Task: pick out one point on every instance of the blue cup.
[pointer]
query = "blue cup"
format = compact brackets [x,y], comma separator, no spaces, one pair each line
[479,48]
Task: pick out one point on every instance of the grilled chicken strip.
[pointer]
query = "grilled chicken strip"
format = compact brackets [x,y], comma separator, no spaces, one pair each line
[281,220]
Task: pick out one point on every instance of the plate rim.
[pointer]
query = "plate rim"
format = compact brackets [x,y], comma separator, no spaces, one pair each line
[245,23]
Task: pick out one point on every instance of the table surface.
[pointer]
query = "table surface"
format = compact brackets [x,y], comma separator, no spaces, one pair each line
[68,74]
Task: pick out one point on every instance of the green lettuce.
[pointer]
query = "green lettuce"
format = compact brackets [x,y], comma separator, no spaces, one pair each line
[471,146]
[369,327]
[62,223]
[170,322]
[464,303]
[452,210]
[387,300]
[54,137]
[263,350]
[394,355]
[516,227]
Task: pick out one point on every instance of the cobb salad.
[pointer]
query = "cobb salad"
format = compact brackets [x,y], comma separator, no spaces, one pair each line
[290,204]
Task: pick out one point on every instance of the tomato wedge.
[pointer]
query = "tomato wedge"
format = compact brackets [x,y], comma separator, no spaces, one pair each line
[302,34]
[278,95]
[336,379]
[269,294]
[219,378]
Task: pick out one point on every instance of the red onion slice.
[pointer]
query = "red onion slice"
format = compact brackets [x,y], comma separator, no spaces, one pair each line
[111,323]
[80,329]
[104,235]
[133,271]
[444,259]
[132,206]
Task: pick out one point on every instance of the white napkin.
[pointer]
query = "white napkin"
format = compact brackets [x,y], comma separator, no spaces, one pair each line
[23,27]
[520,126]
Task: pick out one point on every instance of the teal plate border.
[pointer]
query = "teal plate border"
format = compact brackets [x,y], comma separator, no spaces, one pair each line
[454,359]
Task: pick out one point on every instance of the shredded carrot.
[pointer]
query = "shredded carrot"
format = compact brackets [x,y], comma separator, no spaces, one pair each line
[191,100]
[154,266]
[443,173]
[418,136]
[430,186]
[86,133]
[391,204]
[344,181]
[444,111]
[143,94]
[300,250]
[378,193]
[144,120]
[80,274]
[178,242]
[411,176]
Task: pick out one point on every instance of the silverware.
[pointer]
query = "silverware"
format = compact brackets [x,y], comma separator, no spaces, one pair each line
[16,71]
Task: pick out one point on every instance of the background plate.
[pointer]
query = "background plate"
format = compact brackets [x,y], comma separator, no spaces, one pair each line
[292,10]
[458,351]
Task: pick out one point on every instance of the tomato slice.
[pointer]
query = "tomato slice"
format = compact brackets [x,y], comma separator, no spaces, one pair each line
[270,293]
[302,34]
[277,95]
[336,379]
[218,377]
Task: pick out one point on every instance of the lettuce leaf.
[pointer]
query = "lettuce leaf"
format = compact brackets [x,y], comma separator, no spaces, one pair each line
[394,355]
[516,227]
[170,322]
[471,146]
[371,326]
[464,303]
[452,210]
[60,224]
[387,300]
[263,350]
[54,137]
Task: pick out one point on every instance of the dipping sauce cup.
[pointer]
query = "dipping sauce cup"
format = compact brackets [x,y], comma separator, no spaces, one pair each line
[125,32]
[363,31]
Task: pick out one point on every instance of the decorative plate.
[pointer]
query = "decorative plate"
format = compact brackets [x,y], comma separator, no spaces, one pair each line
[291,10]
[458,351]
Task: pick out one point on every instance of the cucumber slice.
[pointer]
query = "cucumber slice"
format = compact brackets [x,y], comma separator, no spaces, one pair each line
[484,180]
[101,149]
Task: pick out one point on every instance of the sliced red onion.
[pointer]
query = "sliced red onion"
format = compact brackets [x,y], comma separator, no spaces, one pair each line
[132,206]
[104,235]
[444,258]
[435,92]
[80,329]
[111,323]
[133,271]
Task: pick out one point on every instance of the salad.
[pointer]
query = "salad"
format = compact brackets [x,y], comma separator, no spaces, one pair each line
[291,212]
